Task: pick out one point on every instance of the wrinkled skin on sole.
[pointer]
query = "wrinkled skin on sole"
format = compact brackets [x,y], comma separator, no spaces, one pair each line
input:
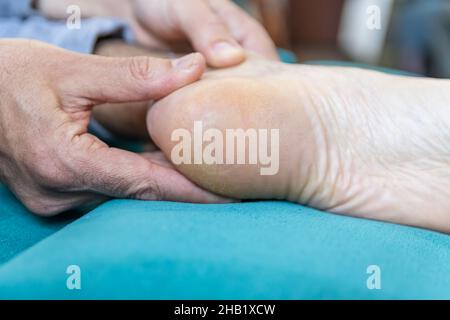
[352,141]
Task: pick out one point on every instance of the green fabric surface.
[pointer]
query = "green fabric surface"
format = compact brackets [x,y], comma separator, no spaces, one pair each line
[261,250]
[19,229]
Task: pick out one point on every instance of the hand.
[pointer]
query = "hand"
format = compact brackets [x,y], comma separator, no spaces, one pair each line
[48,159]
[218,29]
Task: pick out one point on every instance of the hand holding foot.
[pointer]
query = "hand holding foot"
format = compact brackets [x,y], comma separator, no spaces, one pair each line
[47,157]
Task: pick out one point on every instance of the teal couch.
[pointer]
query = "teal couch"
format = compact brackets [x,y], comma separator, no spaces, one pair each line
[261,250]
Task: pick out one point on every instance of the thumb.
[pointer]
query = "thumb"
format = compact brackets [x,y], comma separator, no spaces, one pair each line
[122,174]
[105,79]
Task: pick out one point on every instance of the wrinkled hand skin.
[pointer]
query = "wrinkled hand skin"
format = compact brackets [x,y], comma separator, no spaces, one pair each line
[352,141]
[49,160]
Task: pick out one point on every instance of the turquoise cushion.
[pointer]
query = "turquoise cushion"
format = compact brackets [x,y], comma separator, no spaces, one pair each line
[260,250]
[20,230]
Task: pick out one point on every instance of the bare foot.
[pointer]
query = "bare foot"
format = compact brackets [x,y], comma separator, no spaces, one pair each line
[351,141]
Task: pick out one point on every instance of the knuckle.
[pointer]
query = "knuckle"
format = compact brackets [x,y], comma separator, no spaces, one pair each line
[153,191]
[149,189]
[140,67]
[143,68]
[216,28]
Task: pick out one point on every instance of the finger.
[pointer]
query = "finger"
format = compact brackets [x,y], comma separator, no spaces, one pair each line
[122,174]
[175,187]
[95,79]
[157,157]
[208,34]
[250,34]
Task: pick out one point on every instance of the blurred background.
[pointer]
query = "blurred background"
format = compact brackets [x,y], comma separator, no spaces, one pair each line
[411,35]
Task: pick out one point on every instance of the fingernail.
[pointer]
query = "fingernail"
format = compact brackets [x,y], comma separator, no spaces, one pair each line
[226,50]
[186,63]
